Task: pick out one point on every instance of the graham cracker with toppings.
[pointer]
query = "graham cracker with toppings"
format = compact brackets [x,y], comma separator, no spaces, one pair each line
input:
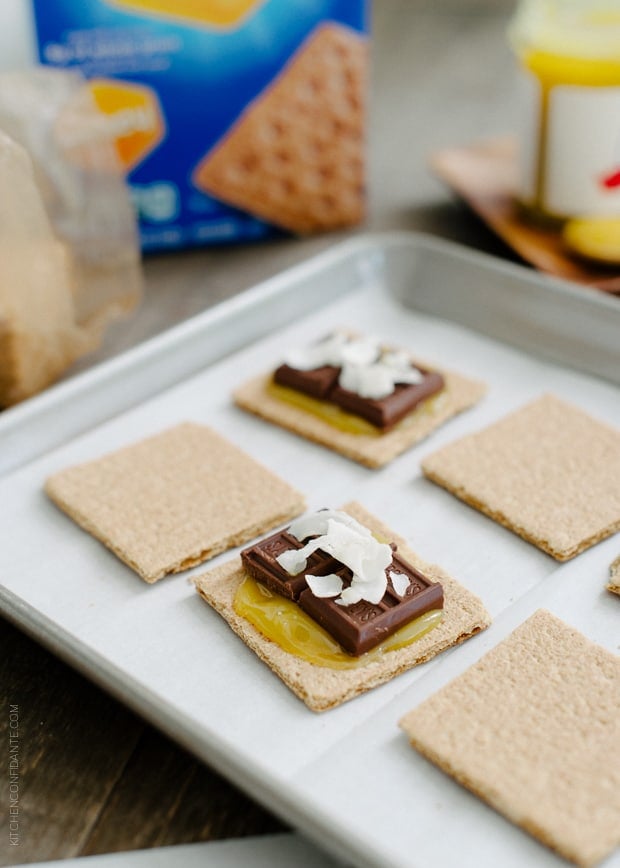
[174,500]
[320,687]
[295,157]
[533,729]
[614,577]
[548,471]
[371,450]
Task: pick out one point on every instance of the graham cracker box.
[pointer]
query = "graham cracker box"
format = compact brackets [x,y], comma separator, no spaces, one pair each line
[235,119]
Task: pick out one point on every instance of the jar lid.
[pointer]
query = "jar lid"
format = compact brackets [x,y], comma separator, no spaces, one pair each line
[588,29]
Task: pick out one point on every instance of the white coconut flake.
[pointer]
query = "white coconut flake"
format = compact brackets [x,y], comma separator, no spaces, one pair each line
[326,352]
[349,597]
[400,582]
[350,543]
[396,359]
[325,586]
[360,351]
[294,561]
[368,381]
[316,523]
[409,376]
[401,364]
[378,380]
[366,370]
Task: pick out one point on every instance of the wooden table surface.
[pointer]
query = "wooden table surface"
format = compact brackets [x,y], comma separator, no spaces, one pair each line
[94,777]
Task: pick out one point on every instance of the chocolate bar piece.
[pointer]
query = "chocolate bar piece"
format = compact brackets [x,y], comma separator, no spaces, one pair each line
[362,626]
[317,382]
[260,562]
[359,627]
[386,412]
[322,383]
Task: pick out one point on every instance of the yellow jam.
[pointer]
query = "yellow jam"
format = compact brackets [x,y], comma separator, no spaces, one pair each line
[283,622]
[341,419]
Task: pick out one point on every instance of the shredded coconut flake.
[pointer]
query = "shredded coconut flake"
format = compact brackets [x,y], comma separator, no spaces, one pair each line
[350,543]
[325,586]
[294,561]
[326,352]
[367,381]
[349,596]
[316,523]
[360,351]
[366,369]
[400,582]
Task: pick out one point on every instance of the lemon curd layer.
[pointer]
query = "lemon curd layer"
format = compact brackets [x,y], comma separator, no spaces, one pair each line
[282,621]
[349,422]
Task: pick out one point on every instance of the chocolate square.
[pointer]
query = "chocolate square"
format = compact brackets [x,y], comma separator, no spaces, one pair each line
[260,562]
[363,625]
[359,627]
[386,412]
[317,382]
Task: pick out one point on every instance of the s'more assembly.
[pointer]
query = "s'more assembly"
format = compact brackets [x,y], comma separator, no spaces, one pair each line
[337,510]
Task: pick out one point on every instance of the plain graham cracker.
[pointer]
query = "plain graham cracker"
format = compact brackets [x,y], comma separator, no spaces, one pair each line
[295,157]
[320,687]
[533,729]
[174,500]
[614,577]
[371,450]
[548,471]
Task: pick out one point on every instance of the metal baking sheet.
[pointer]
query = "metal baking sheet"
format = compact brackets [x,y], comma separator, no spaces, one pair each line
[264,851]
[346,778]
[551,318]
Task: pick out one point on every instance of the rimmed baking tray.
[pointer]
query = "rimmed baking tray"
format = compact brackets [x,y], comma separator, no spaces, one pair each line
[548,317]
[346,778]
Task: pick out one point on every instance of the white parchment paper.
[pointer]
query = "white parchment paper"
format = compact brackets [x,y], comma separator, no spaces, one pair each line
[348,776]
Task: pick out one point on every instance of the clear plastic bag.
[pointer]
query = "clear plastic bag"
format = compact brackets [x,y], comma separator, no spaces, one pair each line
[65,206]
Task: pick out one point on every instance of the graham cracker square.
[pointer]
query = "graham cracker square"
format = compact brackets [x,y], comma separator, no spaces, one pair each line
[614,577]
[320,687]
[371,450]
[174,500]
[533,729]
[548,471]
[295,157]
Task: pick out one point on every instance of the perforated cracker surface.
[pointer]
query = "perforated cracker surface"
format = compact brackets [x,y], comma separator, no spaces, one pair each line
[295,157]
[533,729]
[548,471]
[174,500]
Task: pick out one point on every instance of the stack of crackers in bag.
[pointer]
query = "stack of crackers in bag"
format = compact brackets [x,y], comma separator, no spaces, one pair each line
[69,260]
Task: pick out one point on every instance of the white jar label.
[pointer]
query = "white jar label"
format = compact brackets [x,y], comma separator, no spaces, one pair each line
[570,148]
[582,158]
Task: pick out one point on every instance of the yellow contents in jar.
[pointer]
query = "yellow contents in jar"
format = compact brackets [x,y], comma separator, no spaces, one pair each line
[552,69]
[282,621]
[343,420]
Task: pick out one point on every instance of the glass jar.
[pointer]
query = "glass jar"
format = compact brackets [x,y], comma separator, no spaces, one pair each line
[569,53]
